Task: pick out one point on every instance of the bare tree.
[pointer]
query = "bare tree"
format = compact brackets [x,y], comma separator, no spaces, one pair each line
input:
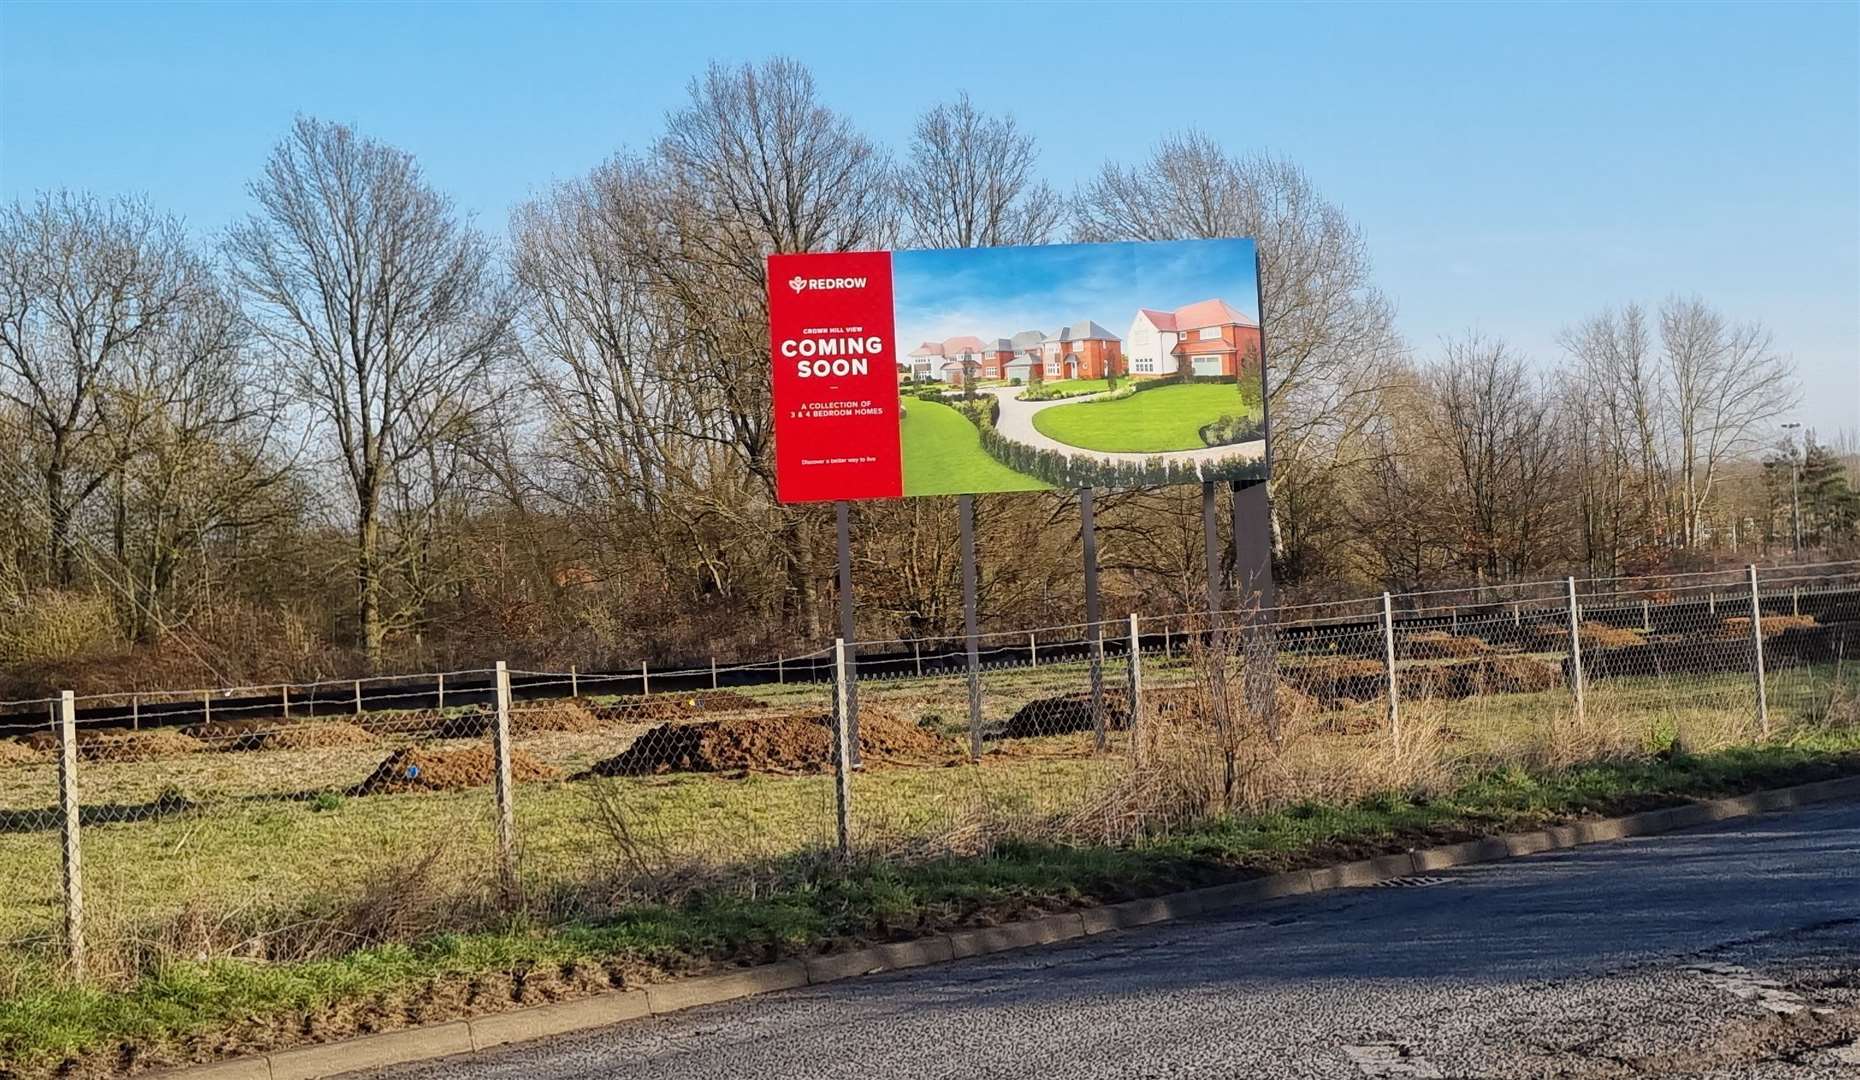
[82,284]
[1615,392]
[1329,333]
[753,164]
[1497,429]
[382,308]
[197,454]
[969,181]
[1725,386]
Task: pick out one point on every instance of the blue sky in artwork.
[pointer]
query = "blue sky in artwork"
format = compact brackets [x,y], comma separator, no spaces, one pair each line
[997,292]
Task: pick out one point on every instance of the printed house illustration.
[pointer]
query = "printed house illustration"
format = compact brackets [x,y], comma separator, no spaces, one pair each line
[951,358]
[1209,338]
[1081,350]
[1024,349]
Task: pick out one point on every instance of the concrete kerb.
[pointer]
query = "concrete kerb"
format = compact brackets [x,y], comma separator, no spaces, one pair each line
[467,1036]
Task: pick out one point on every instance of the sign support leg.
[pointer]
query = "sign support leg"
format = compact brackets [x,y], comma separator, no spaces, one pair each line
[843,536]
[1088,537]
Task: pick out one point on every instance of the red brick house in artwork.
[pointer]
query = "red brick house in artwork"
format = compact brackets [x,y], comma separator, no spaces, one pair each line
[951,358]
[1210,337]
[1081,350]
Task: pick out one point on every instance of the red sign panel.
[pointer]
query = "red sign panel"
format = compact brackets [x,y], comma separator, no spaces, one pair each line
[835,377]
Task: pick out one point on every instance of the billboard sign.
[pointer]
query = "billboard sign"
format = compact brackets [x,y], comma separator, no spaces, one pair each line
[975,370]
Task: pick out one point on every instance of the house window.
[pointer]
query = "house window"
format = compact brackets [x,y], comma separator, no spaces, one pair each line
[1209,333]
[1145,366]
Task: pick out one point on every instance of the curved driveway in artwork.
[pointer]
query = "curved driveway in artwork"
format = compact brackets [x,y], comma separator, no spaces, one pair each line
[1016,423]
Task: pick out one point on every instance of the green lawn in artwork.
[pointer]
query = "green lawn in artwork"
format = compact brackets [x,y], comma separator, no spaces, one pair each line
[1154,421]
[943,455]
[1071,386]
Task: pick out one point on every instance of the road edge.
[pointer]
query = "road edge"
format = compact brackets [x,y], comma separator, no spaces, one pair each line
[454,1038]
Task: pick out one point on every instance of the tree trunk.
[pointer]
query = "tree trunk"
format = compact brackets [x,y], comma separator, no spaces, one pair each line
[58,543]
[368,580]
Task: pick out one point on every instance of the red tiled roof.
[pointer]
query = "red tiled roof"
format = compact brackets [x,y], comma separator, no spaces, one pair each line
[965,343]
[1208,313]
[1162,320]
[928,348]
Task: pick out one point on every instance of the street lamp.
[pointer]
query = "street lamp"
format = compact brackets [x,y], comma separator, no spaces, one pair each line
[1795,503]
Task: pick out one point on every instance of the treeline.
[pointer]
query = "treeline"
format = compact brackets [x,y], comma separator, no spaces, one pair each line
[354,431]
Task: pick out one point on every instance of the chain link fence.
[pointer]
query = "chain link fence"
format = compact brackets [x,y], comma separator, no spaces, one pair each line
[288,822]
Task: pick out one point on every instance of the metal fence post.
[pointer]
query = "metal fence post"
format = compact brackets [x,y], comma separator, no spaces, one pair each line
[284,696]
[781,671]
[1388,665]
[842,751]
[506,808]
[1795,600]
[358,697]
[574,682]
[73,857]
[442,693]
[713,673]
[135,712]
[645,680]
[1135,659]
[1646,616]
[1575,647]
[206,706]
[1033,651]
[917,655]
[1756,645]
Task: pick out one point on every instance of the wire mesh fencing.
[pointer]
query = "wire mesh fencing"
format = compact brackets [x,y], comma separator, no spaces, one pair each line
[292,821]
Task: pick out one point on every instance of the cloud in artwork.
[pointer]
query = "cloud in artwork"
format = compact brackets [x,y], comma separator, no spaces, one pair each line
[997,292]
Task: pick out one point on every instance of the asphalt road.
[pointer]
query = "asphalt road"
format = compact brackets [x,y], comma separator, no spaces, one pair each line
[1730,951]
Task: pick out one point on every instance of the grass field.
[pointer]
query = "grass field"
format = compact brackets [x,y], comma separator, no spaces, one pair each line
[943,455]
[241,856]
[1155,421]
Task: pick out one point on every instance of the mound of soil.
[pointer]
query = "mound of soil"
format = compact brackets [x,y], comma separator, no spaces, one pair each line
[1772,625]
[1060,715]
[419,769]
[1489,675]
[1594,636]
[429,723]
[1191,702]
[1331,682]
[321,735]
[569,714]
[1440,645]
[782,743]
[117,744]
[14,752]
[661,708]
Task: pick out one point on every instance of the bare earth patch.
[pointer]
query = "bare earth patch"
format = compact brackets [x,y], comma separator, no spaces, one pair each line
[419,769]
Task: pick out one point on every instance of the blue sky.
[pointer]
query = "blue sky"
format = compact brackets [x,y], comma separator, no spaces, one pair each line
[997,292]
[1513,166]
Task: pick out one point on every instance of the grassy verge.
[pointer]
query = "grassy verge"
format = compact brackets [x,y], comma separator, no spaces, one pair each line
[191,1010]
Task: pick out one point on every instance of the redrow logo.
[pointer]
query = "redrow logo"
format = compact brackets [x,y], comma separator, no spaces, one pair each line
[802,284]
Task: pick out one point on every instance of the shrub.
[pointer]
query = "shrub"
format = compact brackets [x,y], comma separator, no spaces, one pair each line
[53,624]
[1229,430]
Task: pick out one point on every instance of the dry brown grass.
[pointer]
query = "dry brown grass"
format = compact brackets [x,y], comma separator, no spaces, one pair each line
[14,752]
